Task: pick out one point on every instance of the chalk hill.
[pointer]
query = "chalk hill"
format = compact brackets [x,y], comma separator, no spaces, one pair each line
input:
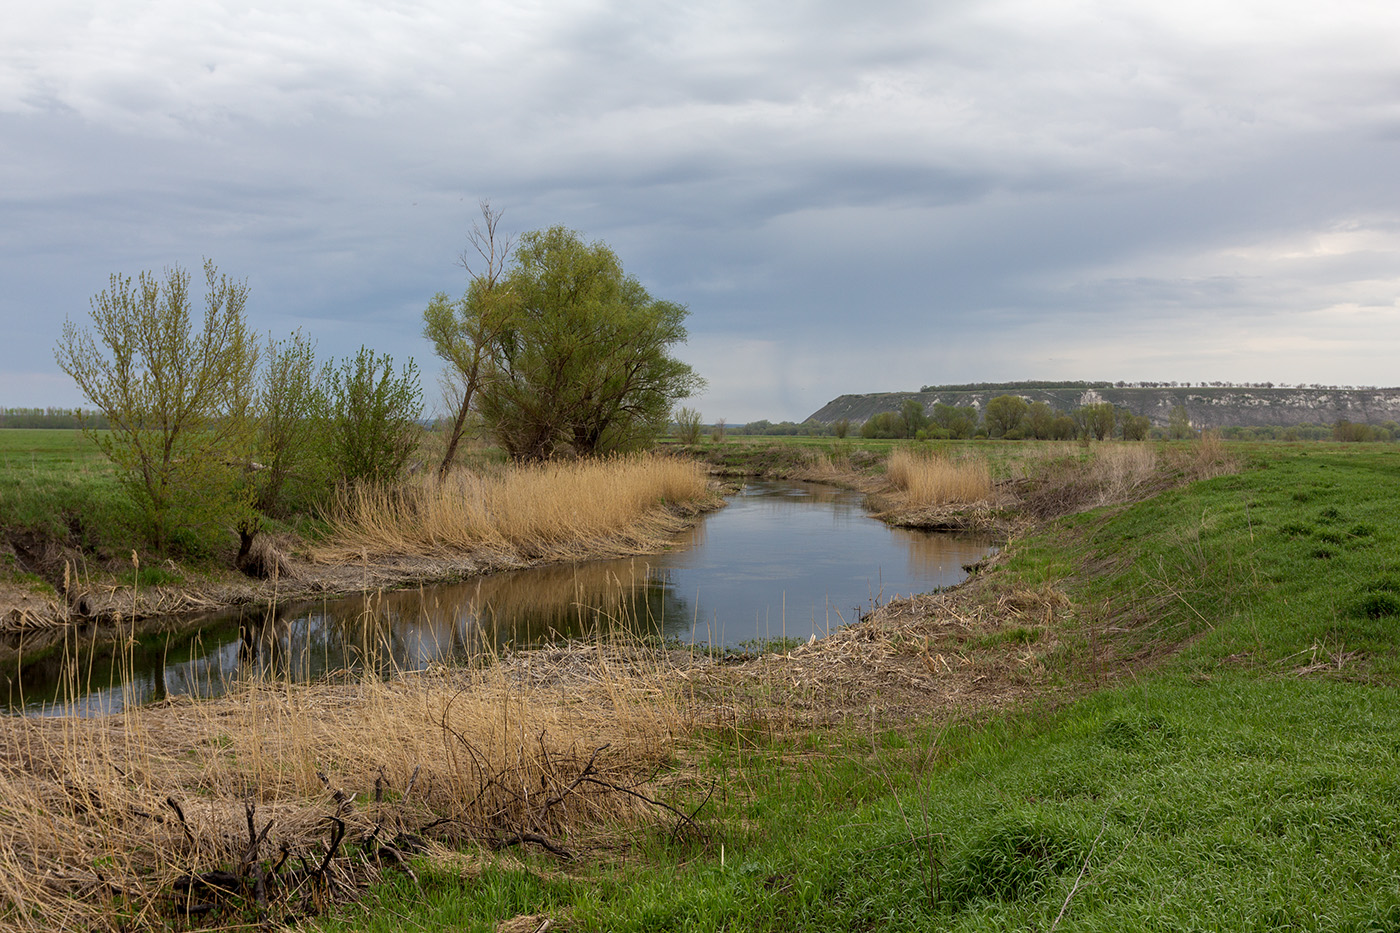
[1206,406]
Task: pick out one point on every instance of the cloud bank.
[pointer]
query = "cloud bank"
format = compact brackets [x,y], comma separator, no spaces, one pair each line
[847,200]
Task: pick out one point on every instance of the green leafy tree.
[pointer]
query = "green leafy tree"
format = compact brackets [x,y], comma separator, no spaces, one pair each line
[177,398]
[291,419]
[841,427]
[960,421]
[1096,420]
[468,333]
[1004,414]
[1040,421]
[586,363]
[373,417]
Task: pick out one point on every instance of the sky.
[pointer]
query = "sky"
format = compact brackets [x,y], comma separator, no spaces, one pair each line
[847,197]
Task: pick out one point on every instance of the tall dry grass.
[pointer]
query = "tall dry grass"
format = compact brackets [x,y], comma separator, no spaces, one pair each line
[933,480]
[125,822]
[553,510]
[1118,470]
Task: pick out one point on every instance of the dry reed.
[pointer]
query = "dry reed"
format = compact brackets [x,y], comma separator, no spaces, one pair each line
[125,821]
[1118,471]
[556,510]
[928,481]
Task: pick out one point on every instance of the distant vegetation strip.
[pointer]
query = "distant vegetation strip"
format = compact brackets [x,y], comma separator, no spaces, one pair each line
[52,418]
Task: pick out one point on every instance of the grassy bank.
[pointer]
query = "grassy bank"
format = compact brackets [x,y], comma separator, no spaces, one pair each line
[1231,763]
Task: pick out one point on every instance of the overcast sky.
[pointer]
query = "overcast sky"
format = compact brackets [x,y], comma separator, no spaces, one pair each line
[849,198]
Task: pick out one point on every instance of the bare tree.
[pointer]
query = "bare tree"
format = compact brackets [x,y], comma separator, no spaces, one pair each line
[465,332]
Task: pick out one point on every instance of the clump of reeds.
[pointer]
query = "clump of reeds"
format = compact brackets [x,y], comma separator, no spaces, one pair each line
[556,510]
[272,801]
[934,480]
[1118,470]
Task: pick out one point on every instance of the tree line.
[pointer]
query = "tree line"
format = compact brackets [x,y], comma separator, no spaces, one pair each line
[1012,417]
[71,418]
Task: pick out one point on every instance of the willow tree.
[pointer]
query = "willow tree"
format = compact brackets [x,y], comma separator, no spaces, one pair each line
[584,363]
[177,397]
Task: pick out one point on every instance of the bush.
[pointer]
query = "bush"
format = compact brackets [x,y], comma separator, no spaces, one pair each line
[373,417]
[688,425]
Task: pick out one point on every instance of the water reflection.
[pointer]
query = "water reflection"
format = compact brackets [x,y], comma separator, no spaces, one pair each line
[782,560]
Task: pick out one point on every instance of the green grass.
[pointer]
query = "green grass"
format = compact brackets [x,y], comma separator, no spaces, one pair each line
[56,485]
[1245,777]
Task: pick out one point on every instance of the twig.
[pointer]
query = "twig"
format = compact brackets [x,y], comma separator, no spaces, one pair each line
[170,802]
[537,839]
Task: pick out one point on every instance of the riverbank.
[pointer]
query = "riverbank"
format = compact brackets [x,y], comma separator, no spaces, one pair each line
[424,534]
[514,520]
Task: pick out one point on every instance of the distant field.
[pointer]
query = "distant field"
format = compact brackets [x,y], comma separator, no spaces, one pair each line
[57,484]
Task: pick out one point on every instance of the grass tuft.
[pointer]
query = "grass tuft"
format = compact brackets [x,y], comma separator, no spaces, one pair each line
[934,480]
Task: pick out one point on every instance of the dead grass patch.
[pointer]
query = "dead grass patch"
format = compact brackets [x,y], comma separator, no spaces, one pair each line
[277,800]
[929,480]
[558,511]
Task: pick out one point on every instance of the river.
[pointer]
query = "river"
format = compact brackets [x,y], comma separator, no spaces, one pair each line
[782,560]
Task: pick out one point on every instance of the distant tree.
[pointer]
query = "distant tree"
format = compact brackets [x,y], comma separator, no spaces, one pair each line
[373,416]
[688,425]
[886,424]
[1063,428]
[1135,427]
[1345,430]
[1040,421]
[841,427]
[915,418]
[178,400]
[1179,423]
[960,422]
[1096,420]
[1004,414]
[586,363]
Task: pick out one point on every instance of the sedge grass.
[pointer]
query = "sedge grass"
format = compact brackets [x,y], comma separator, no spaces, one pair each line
[553,510]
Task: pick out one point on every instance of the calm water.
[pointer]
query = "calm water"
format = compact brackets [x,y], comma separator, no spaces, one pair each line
[781,560]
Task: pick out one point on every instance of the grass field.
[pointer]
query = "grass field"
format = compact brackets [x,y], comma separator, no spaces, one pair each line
[1237,768]
[56,485]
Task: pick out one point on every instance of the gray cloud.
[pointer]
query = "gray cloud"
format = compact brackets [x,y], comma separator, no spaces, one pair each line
[848,199]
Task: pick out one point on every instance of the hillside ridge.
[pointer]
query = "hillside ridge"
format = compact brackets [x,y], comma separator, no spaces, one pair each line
[1206,406]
